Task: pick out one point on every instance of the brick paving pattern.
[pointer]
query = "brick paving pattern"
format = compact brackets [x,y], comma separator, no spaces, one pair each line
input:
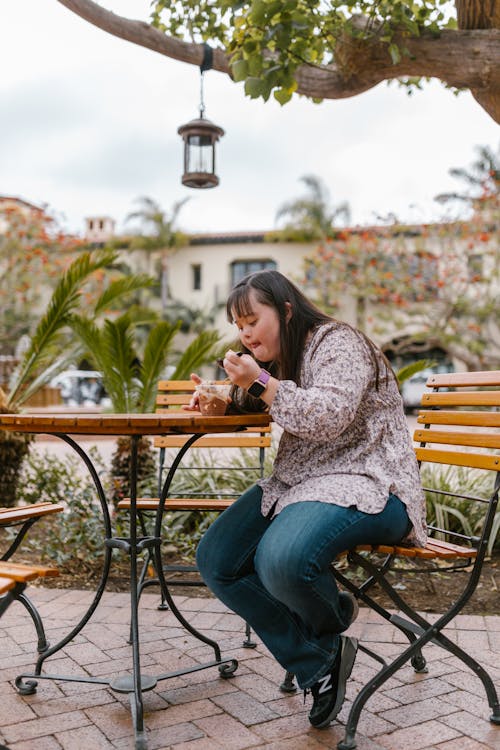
[445,709]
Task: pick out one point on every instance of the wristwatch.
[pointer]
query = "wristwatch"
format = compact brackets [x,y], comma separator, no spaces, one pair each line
[259,386]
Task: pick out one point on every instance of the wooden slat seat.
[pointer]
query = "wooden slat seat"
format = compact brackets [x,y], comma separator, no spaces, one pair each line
[434,548]
[6,584]
[178,503]
[14,578]
[24,572]
[11,516]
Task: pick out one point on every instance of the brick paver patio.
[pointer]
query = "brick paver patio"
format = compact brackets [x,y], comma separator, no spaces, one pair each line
[445,709]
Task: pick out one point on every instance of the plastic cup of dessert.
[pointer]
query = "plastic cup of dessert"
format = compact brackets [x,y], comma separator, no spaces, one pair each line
[213,398]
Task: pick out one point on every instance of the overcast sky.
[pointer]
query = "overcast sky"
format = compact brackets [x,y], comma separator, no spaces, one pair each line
[88,123]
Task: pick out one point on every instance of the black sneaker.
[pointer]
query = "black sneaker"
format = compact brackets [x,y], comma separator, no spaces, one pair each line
[329,691]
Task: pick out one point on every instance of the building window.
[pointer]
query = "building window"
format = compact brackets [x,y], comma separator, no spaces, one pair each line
[241,268]
[196,275]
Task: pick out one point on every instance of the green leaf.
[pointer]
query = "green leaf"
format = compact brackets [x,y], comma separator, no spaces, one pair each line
[282,95]
[254,87]
[239,70]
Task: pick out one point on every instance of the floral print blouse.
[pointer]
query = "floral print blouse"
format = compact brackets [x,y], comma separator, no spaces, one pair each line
[343,441]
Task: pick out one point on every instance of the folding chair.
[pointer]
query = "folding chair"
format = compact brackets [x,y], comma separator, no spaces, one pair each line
[254,441]
[460,429]
[24,517]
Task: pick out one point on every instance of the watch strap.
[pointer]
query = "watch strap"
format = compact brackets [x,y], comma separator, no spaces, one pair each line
[259,385]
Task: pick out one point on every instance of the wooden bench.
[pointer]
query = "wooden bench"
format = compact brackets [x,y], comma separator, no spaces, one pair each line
[25,516]
[15,576]
[172,394]
[459,428]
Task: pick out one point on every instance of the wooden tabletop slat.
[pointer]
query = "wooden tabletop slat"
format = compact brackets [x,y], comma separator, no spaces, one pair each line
[187,422]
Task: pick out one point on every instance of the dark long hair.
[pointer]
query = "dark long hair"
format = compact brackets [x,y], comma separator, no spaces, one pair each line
[275,290]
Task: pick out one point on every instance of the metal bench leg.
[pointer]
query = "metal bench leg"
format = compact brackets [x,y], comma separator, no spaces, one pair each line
[43,643]
[248,643]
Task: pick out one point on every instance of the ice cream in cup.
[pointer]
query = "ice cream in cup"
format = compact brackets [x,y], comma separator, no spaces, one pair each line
[213,398]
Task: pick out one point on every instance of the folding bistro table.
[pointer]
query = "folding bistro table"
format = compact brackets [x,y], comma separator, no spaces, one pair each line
[67,427]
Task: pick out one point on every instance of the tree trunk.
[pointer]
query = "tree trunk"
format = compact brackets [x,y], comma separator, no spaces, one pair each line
[482,14]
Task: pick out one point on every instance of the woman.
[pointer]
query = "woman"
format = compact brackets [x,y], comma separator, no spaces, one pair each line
[345,474]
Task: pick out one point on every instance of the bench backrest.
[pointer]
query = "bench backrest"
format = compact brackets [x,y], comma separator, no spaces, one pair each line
[172,395]
[460,429]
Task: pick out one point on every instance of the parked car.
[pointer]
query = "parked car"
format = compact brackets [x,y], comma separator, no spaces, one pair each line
[80,387]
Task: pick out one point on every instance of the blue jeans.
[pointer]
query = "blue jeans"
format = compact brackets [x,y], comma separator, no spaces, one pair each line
[275,573]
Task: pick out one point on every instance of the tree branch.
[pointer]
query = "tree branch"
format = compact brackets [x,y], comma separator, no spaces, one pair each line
[141,33]
[463,59]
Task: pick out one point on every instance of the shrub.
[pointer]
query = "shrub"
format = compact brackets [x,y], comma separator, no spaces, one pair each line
[459,514]
[73,538]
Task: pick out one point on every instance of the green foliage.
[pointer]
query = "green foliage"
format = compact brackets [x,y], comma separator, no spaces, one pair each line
[72,539]
[185,529]
[14,448]
[50,349]
[456,514]
[131,367]
[267,40]
[408,371]
[33,252]
[147,471]
[312,214]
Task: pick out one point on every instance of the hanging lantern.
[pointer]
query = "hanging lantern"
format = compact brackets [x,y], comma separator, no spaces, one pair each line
[200,136]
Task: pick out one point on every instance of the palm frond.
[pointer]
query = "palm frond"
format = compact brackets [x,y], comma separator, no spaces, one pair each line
[62,363]
[90,337]
[408,371]
[120,287]
[46,339]
[120,371]
[156,352]
[200,351]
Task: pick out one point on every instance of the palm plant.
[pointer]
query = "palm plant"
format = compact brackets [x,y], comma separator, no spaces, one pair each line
[130,372]
[313,213]
[51,349]
[483,177]
[160,233]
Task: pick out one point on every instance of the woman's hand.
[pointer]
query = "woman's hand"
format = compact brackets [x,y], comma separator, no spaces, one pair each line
[193,404]
[241,369]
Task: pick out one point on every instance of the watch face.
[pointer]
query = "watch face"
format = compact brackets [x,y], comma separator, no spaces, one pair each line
[259,386]
[256,389]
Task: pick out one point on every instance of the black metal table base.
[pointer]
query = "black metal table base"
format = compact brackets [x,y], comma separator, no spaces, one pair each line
[134,684]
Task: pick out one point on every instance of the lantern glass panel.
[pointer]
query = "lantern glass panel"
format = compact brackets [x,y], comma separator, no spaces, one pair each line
[200,154]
